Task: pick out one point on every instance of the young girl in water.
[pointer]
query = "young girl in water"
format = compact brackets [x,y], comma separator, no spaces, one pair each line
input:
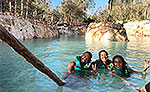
[120,67]
[103,61]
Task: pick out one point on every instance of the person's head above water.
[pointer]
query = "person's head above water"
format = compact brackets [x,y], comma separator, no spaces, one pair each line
[119,62]
[103,55]
[86,57]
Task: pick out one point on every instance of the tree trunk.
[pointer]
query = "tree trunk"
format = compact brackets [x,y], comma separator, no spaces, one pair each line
[21,7]
[27,7]
[9,6]
[110,5]
[35,12]
[15,7]
[27,55]
[110,2]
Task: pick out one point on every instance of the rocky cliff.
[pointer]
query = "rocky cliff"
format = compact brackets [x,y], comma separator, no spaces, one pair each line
[23,29]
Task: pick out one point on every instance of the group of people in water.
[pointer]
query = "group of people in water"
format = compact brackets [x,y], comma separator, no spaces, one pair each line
[118,66]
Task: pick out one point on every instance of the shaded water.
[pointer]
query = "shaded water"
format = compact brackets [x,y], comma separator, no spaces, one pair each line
[17,75]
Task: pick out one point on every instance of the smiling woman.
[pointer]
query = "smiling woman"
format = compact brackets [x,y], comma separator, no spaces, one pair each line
[121,67]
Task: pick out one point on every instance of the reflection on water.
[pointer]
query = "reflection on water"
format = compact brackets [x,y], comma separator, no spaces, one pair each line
[17,75]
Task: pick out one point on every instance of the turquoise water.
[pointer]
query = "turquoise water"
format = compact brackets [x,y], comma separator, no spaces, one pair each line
[17,75]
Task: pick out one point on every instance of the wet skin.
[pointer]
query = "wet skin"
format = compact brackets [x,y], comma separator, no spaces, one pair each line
[85,58]
[118,63]
[103,57]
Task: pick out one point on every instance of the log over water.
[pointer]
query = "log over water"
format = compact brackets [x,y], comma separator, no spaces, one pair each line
[27,55]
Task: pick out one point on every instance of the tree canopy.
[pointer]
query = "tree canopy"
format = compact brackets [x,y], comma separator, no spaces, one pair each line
[75,12]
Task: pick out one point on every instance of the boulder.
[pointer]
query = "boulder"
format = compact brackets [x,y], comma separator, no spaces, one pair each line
[138,28]
[106,32]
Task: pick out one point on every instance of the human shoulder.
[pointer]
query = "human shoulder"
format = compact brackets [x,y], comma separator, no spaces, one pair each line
[72,63]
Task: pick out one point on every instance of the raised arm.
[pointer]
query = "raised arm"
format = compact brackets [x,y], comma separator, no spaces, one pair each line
[95,66]
[94,69]
[146,66]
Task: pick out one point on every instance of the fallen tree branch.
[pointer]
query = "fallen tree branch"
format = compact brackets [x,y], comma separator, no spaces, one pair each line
[27,55]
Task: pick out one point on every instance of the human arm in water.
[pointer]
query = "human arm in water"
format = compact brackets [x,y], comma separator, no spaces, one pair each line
[70,68]
[146,66]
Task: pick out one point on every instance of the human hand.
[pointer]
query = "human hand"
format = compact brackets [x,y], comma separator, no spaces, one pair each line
[146,66]
[66,74]
[94,67]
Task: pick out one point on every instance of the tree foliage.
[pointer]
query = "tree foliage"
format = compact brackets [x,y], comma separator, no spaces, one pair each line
[124,10]
[77,11]
[33,9]
[74,11]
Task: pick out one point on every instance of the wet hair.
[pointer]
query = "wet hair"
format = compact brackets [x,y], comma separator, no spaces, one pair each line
[124,64]
[90,54]
[101,52]
[108,61]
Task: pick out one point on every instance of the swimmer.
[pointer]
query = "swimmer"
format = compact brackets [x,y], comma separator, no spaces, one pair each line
[82,63]
[120,67]
[103,61]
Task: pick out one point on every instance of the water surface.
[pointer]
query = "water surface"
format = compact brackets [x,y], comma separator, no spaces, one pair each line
[17,75]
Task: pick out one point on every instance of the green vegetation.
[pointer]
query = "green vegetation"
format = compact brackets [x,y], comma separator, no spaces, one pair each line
[75,12]
[124,10]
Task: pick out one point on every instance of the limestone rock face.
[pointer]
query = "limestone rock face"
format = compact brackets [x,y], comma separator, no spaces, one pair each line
[23,29]
[138,28]
[106,32]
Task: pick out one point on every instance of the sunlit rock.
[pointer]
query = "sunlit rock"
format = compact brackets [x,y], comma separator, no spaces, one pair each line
[23,29]
[106,32]
[138,28]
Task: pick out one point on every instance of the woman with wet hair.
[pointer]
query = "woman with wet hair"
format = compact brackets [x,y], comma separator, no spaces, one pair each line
[101,63]
[120,67]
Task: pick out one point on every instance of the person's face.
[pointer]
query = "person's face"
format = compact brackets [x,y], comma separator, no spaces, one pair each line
[85,58]
[118,63]
[103,56]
